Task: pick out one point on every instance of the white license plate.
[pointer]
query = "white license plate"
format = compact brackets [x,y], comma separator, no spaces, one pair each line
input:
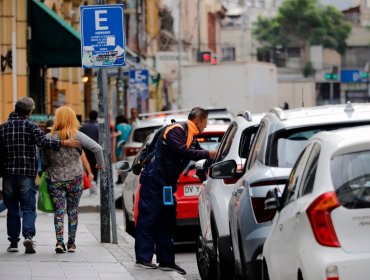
[192,190]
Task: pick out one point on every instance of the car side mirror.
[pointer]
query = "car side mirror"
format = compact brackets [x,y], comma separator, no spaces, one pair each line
[272,201]
[121,143]
[123,165]
[223,170]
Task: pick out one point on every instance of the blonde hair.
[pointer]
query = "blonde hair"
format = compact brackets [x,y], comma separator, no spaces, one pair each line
[66,123]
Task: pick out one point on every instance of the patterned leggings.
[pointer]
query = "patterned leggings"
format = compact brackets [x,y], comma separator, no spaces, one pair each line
[61,192]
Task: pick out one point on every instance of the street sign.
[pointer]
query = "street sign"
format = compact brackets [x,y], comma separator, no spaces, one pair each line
[350,76]
[139,82]
[102,36]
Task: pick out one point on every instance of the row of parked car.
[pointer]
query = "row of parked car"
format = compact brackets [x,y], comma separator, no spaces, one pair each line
[288,196]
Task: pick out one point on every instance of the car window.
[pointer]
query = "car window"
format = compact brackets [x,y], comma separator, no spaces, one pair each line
[246,140]
[350,174]
[256,149]
[295,177]
[309,173]
[225,146]
[140,134]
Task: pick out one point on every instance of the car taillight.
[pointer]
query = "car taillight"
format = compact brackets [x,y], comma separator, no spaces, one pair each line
[258,202]
[131,151]
[319,215]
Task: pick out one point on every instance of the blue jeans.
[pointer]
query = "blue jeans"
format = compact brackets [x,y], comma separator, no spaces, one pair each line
[20,194]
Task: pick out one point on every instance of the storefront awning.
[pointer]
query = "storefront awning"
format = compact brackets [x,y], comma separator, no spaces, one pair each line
[53,42]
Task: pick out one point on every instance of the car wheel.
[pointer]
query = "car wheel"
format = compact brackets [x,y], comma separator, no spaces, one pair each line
[206,264]
[118,202]
[265,273]
[223,270]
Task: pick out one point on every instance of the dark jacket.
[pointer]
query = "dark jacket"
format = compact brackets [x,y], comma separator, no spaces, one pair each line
[91,129]
[18,139]
[171,158]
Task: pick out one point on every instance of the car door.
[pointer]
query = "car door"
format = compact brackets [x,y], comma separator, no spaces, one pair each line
[204,202]
[281,239]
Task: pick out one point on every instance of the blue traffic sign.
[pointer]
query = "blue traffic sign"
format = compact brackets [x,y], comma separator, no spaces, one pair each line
[139,82]
[350,76]
[102,36]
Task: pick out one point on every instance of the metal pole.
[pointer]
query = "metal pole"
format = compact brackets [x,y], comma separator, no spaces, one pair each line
[331,93]
[179,61]
[107,207]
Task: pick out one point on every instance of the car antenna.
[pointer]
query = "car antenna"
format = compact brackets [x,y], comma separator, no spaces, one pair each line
[302,99]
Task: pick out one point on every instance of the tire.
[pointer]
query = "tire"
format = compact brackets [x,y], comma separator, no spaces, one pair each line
[265,272]
[223,269]
[206,264]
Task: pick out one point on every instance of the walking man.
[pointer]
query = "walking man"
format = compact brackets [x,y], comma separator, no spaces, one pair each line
[157,218]
[18,139]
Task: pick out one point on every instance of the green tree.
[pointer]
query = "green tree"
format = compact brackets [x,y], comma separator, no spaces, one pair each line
[304,23]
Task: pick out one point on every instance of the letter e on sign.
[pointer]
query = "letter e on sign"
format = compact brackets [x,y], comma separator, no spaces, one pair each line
[99,19]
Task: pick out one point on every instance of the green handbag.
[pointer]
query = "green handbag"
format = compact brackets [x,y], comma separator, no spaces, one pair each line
[44,202]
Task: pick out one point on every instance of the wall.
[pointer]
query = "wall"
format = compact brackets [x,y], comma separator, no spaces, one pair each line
[296,93]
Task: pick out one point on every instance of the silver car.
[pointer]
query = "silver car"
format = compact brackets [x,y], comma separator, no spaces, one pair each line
[278,143]
[213,254]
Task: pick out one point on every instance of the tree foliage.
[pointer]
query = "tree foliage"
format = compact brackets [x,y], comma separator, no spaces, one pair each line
[302,22]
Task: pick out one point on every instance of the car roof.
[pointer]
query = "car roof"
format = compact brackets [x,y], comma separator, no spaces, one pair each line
[327,114]
[345,137]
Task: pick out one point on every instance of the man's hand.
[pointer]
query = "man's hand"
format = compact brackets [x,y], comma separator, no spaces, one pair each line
[212,153]
[99,167]
[72,143]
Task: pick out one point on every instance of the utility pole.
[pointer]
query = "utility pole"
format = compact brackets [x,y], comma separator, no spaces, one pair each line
[179,85]
[106,180]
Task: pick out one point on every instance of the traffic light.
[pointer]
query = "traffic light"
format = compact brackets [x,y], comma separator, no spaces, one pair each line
[333,75]
[365,75]
[204,56]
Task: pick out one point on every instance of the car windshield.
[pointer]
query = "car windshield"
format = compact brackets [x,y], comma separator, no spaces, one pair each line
[350,174]
[209,142]
[140,134]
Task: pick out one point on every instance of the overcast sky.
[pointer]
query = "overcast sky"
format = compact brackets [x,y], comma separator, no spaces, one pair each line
[340,4]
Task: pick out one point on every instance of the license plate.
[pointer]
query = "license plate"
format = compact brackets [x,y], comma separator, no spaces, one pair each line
[191,190]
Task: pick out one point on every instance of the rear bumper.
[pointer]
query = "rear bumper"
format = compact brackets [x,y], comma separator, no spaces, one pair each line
[187,209]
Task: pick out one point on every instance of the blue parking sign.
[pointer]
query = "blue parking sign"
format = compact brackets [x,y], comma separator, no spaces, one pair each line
[102,36]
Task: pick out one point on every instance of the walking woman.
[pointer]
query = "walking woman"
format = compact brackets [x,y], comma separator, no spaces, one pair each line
[64,173]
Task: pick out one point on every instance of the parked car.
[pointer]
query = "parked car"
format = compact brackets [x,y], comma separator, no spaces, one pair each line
[321,228]
[188,185]
[213,243]
[278,143]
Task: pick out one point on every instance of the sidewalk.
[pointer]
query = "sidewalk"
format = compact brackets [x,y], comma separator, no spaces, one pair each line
[92,260]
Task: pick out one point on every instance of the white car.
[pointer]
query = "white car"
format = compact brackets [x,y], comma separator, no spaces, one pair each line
[322,227]
[214,255]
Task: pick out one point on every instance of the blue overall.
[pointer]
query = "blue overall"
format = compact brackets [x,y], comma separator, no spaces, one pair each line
[156,222]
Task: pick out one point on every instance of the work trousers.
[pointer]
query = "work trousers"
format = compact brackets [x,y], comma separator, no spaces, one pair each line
[155,224]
